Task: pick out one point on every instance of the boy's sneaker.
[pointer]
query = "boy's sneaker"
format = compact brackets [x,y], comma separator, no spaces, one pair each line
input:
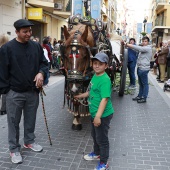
[35,147]
[16,157]
[91,156]
[102,166]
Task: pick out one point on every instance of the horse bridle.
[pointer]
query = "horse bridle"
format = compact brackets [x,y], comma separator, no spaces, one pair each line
[75,45]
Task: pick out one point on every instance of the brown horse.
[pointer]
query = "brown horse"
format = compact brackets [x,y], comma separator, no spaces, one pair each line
[76,59]
[77,52]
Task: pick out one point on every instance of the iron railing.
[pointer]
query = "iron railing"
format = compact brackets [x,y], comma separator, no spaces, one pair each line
[160,21]
[161,1]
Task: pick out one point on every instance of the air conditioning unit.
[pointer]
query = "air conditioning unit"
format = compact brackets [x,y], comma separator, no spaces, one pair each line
[166,31]
[58,5]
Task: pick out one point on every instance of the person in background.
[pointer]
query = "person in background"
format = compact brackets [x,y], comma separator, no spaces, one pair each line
[132,57]
[23,69]
[162,60]
[48,74]
[45,45]
[37,39]
[153,56]
[101,110]
[54,42]
[4,38]
[143,67]
[168,61]
[49,43]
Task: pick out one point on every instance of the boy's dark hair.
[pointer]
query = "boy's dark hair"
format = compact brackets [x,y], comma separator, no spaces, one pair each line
[132,39]
[146,38]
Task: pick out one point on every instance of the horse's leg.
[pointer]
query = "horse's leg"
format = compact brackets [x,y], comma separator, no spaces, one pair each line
[76,121]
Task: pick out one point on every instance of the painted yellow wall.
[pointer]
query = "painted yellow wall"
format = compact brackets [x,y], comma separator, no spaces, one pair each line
[168,16]
[53,27]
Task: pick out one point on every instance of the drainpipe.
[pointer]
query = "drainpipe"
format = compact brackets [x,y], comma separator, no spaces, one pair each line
[23,9]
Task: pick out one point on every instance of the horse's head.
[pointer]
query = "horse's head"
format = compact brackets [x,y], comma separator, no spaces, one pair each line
[77,50]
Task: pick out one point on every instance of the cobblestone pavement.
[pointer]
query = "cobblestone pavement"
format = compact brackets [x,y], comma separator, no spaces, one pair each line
[139,135]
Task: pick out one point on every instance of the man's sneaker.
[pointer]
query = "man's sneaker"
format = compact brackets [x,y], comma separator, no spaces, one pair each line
[132,87]
[142,100]
[91,156]
[136,98]
[16,158]
[102,166]
[35,147]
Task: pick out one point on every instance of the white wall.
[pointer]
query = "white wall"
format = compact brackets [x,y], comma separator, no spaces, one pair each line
[10,11]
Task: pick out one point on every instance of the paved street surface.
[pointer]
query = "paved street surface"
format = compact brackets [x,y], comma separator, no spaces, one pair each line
[139,134]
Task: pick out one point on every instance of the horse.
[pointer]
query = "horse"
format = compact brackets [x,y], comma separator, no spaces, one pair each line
[79,47]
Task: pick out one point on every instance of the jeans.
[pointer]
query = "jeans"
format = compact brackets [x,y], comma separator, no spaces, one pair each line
[100,138]
[131,69]
[143,83]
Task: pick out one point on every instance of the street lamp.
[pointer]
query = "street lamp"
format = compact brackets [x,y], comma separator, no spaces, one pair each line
[145,21]
[118,29]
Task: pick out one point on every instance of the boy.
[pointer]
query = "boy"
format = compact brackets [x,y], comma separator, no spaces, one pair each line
[143,67]
[101,110]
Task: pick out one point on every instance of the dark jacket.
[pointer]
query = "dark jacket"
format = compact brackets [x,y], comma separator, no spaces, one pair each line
[19,64]
[162,56]
[132,55]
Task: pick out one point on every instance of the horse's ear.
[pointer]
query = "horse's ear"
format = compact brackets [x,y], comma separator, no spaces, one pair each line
[66,33]
[85,34]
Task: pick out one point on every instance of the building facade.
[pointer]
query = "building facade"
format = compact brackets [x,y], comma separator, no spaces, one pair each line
[48,16]
[53,16]
[160,17]
[10,11]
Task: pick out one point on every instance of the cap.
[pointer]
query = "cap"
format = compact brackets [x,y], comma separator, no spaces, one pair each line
[102,57]
[22,23]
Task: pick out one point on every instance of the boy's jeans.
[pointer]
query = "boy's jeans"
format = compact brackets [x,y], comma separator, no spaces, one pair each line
[131,69]
[100,138]
[143,83]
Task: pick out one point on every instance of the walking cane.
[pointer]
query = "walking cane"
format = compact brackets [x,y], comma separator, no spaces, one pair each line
[45,119]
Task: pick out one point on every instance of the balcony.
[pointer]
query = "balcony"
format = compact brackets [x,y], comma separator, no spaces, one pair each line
[160,21]
[62,9]
[161,3]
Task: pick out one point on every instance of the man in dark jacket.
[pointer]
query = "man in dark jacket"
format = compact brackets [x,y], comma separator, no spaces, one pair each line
[132,57]
[23,68]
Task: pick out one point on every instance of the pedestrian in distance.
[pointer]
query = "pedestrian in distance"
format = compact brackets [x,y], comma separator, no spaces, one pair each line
[101,110]
[162,60]
[23,68]
[132,58]
[143,67]
[168,61]
[4,38]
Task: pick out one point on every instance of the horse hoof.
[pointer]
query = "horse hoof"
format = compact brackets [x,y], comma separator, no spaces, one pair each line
[77,127]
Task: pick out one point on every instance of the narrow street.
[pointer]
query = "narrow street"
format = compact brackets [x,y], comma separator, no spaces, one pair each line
[139,135]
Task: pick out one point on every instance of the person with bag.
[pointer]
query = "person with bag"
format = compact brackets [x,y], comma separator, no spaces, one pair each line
[4,38]
[23,69]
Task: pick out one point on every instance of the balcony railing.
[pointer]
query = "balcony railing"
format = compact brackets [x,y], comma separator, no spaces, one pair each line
[161,1]
[160,21]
